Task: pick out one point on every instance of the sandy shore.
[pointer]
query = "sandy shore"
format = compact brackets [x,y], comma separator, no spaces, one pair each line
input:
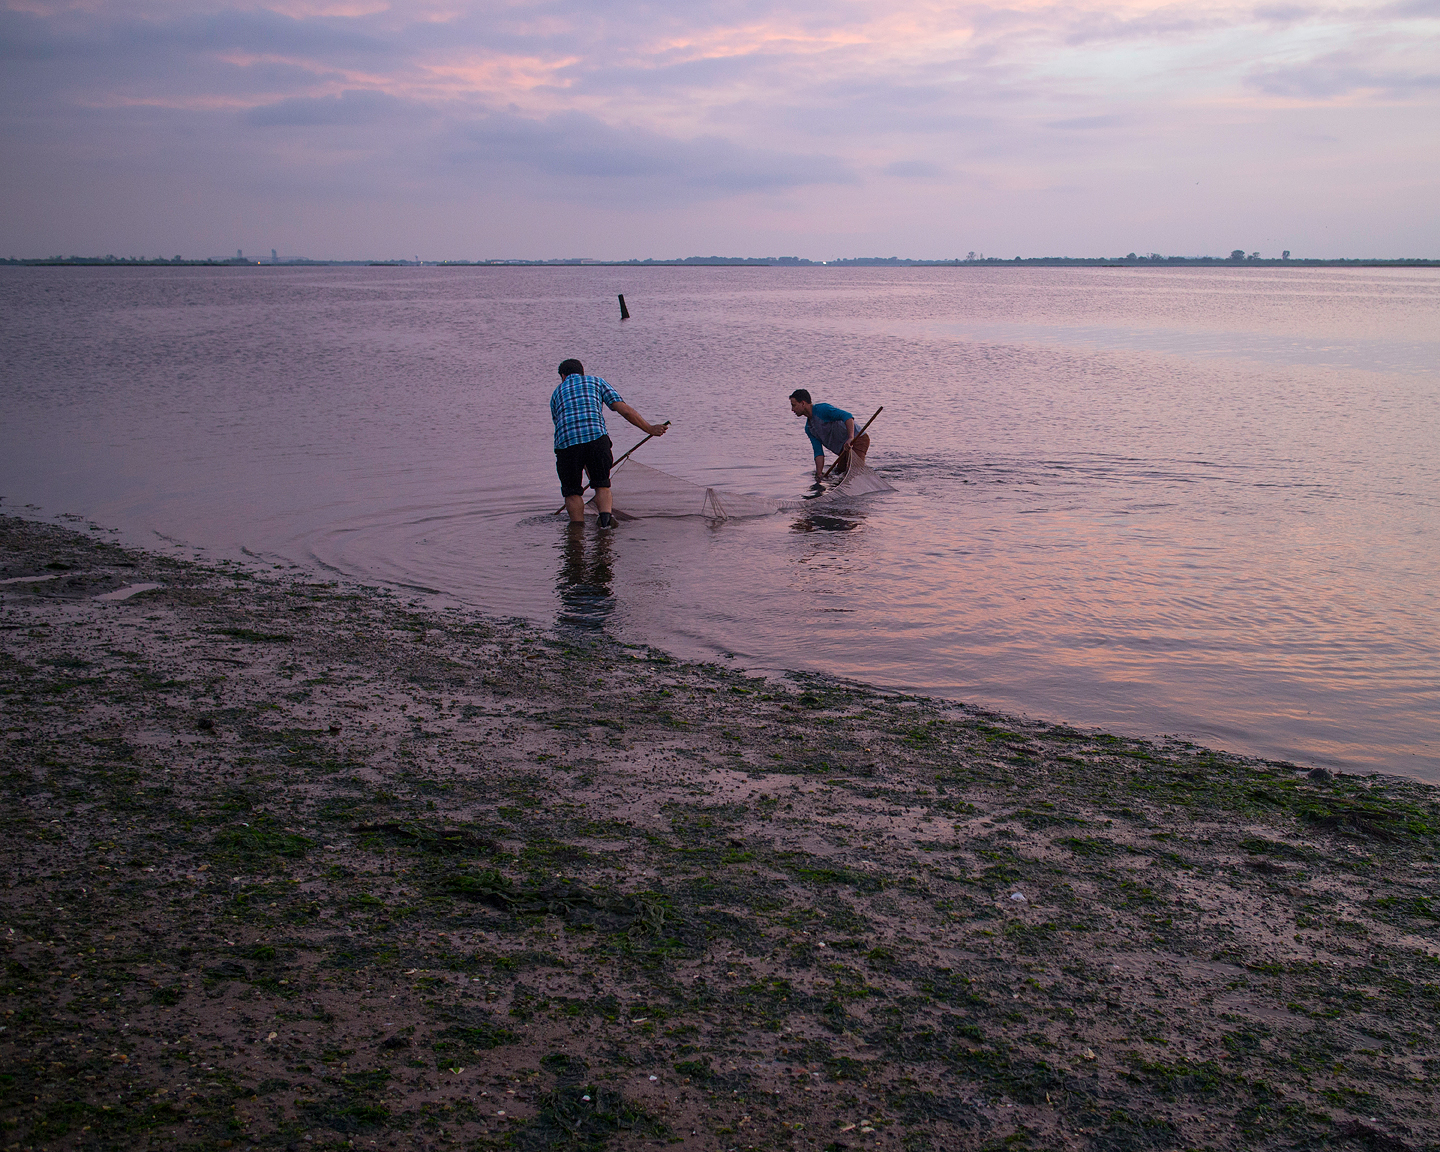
[294,864]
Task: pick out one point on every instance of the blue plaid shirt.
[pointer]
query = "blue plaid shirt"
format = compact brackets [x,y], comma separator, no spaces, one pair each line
[576,408]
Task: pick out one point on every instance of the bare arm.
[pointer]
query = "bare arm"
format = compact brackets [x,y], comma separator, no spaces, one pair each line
[639,421]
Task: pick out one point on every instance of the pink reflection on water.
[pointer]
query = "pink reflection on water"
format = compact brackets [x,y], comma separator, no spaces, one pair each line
[1188,503]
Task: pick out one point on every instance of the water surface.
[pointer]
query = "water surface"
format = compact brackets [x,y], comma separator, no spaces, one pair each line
[1154,500]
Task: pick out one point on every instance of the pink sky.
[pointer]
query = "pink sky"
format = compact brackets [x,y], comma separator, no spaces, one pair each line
[480,130]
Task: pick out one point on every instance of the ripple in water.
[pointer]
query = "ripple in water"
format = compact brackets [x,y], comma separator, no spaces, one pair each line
[1156,501]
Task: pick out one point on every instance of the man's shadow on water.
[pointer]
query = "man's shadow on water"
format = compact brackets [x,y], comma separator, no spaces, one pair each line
[586,573]
[813,522]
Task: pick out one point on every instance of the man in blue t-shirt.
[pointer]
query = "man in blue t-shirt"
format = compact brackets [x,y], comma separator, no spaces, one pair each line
[581,442]
[832,428]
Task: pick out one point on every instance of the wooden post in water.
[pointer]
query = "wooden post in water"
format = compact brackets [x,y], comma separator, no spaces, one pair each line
[624,312]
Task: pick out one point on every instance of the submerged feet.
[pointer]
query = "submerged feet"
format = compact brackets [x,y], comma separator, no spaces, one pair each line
[607,520]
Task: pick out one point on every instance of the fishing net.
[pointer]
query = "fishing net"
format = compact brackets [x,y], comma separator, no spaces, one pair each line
[861,480]
[641,492]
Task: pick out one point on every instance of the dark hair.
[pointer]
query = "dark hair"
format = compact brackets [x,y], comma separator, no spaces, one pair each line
[571,367]
[801,395]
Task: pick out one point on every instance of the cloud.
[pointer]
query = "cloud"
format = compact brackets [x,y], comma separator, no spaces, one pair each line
[914,169]
[263,33]
[351,108]
[1339,75]
[1414,9]
[127,40]
[25,37]
[1082,26]
[775,116]
[582,154]
[1284,13]
[1087,123]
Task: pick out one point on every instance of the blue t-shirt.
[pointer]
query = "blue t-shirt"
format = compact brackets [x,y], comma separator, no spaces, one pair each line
[826,428]
[578,409]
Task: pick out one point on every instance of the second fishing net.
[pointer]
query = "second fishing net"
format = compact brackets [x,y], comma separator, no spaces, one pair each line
[641,492]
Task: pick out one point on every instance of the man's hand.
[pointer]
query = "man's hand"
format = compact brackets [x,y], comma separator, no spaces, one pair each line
[657,429]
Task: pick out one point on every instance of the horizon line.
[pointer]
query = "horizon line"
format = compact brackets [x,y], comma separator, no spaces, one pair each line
[1235,259]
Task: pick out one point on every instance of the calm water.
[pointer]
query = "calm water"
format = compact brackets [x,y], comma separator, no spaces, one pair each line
[1158,501]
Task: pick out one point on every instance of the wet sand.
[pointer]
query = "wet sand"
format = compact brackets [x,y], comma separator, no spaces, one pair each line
[298,864]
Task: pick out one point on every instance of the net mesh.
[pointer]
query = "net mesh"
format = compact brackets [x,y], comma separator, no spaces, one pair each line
[861,480]
[641,492]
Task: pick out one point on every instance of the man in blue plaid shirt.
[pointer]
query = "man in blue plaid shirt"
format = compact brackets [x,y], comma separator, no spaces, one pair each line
[581,443]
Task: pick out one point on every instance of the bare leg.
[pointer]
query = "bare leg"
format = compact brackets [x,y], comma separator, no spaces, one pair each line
[575,505]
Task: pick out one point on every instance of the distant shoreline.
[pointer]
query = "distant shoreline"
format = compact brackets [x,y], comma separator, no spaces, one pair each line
[749,262]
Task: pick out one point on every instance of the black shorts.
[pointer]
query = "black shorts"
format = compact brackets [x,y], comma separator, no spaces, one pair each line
[593,457]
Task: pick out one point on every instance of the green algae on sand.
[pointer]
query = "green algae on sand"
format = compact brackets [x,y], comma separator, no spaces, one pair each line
[408,885]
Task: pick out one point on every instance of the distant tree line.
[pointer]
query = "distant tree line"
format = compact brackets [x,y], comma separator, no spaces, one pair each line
[1237,257]
[180,261]
[146,260]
